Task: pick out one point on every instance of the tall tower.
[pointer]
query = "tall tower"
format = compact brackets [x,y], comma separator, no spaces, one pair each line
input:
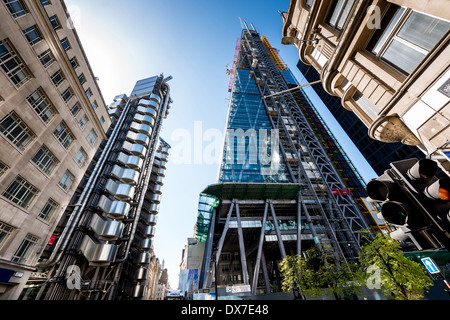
[279,192]
[104,240]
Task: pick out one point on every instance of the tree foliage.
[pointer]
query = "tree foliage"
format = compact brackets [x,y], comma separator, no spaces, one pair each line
[400,278]
[318,273]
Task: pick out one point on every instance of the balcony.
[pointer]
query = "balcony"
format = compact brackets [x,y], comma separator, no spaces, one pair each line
[141,273]
[154,104]
[146,244]
[147,111]
[137,291]
[153,208]
[142,118]
[155,188]
[107,230]
[141,128]
[161,156]
[114,209]
[120,191]
[125,175]
[139,138]
[157,179]
[135,149]
[131,162]
[159,171]
[160,163]
[98,254]
[148,218]
[144,258]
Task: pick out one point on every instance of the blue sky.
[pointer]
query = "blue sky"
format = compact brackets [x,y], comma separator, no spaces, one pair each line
[193,41]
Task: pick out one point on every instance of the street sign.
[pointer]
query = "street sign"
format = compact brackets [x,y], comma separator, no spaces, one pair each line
[430,265]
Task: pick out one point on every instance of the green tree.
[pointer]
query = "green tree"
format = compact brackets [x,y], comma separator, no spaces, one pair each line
[319,273]
[399,277]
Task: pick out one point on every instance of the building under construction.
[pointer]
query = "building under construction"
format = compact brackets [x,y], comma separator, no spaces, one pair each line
[285,184]
[103,244]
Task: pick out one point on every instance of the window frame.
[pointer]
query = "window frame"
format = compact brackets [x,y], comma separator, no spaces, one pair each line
[25,249]
[392,36]
[20,67]
[16,13]
[66,180]
[37,105]
[65,137]
[32,30]
[17,122]
[45,160]
[48,210]
[21,192]
[47,53]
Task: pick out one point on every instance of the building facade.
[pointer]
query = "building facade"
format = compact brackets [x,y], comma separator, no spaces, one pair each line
[104,238]
[386,60]
[279,192]
[52,121]
[378,154]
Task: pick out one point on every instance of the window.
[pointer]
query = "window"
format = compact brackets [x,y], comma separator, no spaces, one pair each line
[12,64]
[88,92]
[46,58]
[366,105]
[339,13]
[74,62]
[48,210]
[94,105]
[42,105]
[92,136]
[67,94]
[45,3]
[25,248]
[406,37]
[21,192]
[45,160]
[57,77]
[16,7]
[16,130]
[80,157]
[5,232]
[82,123]
[67,180]
[82,78]
[32,34]
[3,168]
[65,43]
[64,135]
[75,109]
[102,120]
[55,22]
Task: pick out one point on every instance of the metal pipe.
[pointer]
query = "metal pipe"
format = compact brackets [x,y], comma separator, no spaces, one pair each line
[241,246]
[277,230]
[260,246]
[221,241]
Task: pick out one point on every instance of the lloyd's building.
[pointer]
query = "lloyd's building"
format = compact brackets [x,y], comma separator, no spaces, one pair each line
[285,184]
[103,245]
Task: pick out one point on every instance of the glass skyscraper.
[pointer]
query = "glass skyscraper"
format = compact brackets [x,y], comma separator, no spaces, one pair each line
[285,184]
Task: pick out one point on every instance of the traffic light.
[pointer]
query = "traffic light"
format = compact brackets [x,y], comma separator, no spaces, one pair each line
[415,200]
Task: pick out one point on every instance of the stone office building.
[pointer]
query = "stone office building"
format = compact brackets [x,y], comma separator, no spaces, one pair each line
[52,121]
[386,60]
